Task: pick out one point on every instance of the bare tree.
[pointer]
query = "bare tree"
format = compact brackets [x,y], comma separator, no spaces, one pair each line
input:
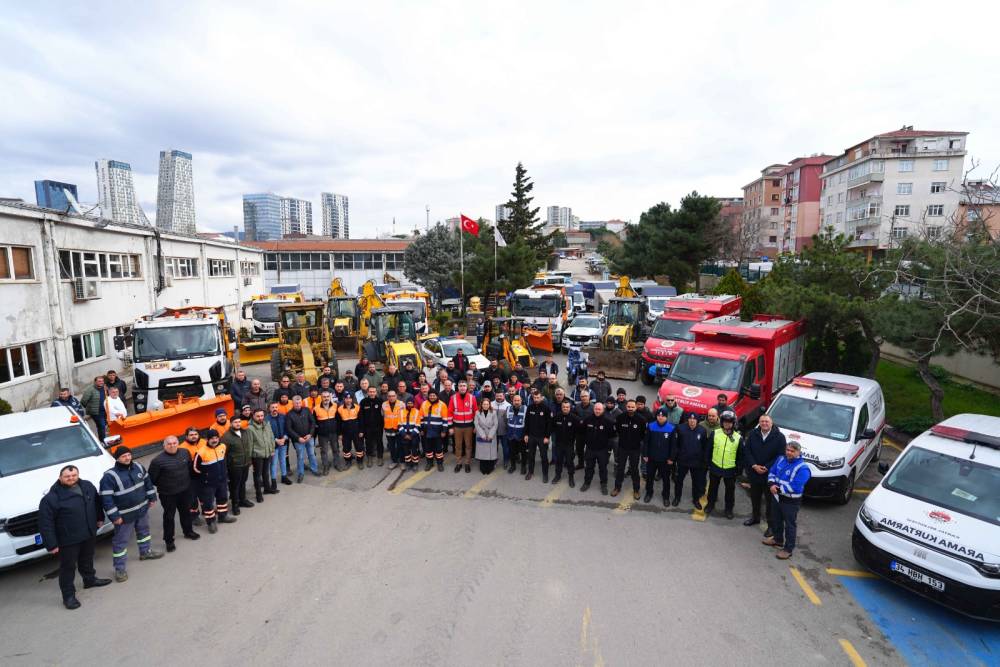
[740,239]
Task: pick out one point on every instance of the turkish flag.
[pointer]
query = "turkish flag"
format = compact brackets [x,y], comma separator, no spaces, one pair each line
[470,225]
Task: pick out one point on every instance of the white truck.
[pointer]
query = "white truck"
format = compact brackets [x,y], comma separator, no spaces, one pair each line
[541,307]
[179,351]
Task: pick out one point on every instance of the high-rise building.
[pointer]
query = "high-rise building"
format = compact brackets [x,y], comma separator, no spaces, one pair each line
[559,217]
[296,216]
[262,216]
[116,192]
[503,212]
[175,193]
[800,202]
[897,184]
[336,221]
[762,209]
[50,194]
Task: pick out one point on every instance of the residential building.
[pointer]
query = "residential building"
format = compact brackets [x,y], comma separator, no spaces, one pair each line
[893,185]
[70,284]
[586,225]
[559,217]
[336,219]
[296,216]
[762,204]
[116,193]
[175,193]
[503,211]
[262,216]
[52,194]
[800,202]
[979,209]
[313,263]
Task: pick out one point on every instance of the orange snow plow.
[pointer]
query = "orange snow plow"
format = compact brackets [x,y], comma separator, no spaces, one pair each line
[149,428]
[538,340]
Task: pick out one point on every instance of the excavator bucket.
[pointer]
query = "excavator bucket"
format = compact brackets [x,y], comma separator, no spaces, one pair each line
[618,364]
[152,427]
[538,340]
[257,351]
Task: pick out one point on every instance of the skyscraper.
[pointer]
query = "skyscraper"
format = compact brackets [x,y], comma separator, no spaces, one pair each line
[262,216]
[503,212]
[116,193]
[175,193]
[559,217]
[49,194]
[336,222]
[296,216]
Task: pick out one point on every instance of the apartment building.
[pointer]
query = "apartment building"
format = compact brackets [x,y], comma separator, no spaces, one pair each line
[762,204]
[893,185]
[800,201]
[296,216]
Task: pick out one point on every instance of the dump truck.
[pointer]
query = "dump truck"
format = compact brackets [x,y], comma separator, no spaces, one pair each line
[303,341]
[618,353]
[258,338]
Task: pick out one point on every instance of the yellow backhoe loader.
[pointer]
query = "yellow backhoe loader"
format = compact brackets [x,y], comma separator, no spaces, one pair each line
[304,341]
[258,337]
[621,340]
[342,316]
[386,334]
[503,340]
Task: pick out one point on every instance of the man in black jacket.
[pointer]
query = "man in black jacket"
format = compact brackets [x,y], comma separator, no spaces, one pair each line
[582,409]
[300,425]
[171,473]
[537,428]
[764,445]
[566,430]
[240,387]
[631,429]
[597,430]
[691,452]
[372,426]
[657,449]
[68,519]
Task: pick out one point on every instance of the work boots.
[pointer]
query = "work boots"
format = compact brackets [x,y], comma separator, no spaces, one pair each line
[225,518]
[571,481]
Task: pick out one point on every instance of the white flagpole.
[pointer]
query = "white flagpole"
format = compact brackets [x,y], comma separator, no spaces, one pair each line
[461,259]
[494,258]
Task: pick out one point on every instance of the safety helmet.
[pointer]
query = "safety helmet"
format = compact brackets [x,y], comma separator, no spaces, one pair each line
[728,415]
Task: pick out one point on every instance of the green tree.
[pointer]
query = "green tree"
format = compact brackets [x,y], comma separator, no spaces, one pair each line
[751,294]
[672,242]
[515,266]
[522,223]
[559,240]
[432,260]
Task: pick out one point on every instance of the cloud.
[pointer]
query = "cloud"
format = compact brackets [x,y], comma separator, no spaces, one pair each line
[612,109]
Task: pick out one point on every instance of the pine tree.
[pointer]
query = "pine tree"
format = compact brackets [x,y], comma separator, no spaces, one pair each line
[522,223]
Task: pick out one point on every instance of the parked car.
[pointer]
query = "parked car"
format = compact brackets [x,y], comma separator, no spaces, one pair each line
[437,351]
[584,329]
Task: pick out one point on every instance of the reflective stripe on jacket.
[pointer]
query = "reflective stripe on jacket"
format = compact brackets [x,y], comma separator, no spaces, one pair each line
[724,449]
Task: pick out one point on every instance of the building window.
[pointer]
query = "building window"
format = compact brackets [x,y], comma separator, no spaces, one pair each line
[774,211]
[972,215]
[840,217]
[899,233]
[220,268]
[776,182]
[905,166]
[775,197]
[88,346]
[902,211]
[829,218]
[394,261]
[15,263]
[934,232]
[248,268]
[20,361]
[270,262]
[829,200]
[110,266]
[937,186]
[840,197]
[940,165]
[857,153]
[772,239]
[181,267]
[904,188]
[935,210]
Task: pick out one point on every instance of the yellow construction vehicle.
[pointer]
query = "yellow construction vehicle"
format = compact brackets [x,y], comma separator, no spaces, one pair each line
[386,334]
[304,341]
[258,337]
[342,316]
[417,302]
[619,352]
[503,340]
[391,280]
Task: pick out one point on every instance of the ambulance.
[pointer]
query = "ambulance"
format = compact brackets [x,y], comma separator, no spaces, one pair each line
[933,523]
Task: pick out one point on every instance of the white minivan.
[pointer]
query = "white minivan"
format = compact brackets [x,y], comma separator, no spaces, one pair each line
[838,420]
[932,525]
[34,446]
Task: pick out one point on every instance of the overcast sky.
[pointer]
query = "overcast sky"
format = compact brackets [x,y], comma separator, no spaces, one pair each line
[612,107]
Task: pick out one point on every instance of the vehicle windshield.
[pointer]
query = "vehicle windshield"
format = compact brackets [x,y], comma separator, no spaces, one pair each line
[391,327]
[827,420]
[417,309]
[657,304]
[264,311]
[546,306]
[586,322]
[578,298]
[300,319]
[39,450]
[623,312]
[175,342]
[954,483]
[343,307]
[709,372]
[451,348]
[673,330]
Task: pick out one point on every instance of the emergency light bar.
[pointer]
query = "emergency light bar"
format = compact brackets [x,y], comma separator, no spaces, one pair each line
[965,435]
[813,383]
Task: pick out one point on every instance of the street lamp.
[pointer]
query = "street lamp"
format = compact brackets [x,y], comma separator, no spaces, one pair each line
[427,209]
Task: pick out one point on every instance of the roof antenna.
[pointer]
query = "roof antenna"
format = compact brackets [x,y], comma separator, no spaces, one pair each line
[972,456]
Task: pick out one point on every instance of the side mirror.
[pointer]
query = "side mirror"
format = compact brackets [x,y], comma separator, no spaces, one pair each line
[231,332]
[754,392]
[867,434]
[119,343]
[232,347]
[883,468]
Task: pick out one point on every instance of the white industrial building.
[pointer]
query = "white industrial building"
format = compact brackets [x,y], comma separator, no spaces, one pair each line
[68,284]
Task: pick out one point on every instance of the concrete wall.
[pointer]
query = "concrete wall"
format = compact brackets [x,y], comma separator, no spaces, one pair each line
[975,367]
[315,282]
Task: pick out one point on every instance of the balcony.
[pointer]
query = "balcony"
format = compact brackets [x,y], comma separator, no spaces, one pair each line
[868,240]
[870,177]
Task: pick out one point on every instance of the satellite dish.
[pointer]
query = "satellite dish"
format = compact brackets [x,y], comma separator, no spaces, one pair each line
[73,203]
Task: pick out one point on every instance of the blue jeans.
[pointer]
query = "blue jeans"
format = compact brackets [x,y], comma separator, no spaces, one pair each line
[303,449]
[279,461]
[786,513]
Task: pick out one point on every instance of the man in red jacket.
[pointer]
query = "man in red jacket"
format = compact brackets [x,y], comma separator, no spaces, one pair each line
[462,408]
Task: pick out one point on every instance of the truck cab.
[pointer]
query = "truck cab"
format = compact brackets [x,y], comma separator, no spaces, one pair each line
[748,362]
[542,308]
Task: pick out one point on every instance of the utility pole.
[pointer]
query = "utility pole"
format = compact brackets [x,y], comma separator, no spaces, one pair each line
[427,227]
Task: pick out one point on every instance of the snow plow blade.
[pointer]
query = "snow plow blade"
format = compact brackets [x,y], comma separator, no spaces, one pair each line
[150,428]
[618,364]
[257,351]
[538,340]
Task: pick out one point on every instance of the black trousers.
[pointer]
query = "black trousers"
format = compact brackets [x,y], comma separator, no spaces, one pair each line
[630,458]
[261,474]
[373,444]
[600,459]
[518,451]
[564,457]
[73,557]
[538,444]
[758,492]
[238,476]
[713,490]
[180,503]
[581,451]
[697,481]
[785,513]
[666,472]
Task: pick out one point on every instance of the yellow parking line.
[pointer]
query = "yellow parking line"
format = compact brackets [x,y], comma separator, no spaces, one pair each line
[554,495]
[852,653]
[863,491]
[478,486]
[806,588]
[410,481]
[337,476]
[626,504]
[699,515]
[850,573]
[891,444]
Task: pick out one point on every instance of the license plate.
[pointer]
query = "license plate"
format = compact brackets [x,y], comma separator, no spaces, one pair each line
[936,584]
[156,365]
[38,539]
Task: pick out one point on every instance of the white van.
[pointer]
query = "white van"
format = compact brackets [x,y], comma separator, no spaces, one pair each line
[933,523]
[34,446]
[838,420]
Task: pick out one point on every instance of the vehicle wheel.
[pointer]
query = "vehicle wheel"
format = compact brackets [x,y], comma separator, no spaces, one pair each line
[848,491]
[276,366]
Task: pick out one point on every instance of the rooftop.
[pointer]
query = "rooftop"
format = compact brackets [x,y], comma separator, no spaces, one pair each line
[336,245]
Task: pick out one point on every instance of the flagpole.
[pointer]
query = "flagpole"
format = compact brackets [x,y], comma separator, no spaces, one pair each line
[494,259]
[461,259]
